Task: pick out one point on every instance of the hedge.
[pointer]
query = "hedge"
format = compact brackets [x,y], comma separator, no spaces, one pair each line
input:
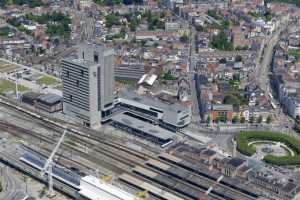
[244,138]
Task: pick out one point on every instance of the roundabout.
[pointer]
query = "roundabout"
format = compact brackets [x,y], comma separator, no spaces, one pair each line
[273,148]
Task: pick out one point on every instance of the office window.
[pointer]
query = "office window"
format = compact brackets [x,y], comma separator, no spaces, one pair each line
[68,74]
[96,58]
[71,97]
[77,82]
[82,73]
[83,55]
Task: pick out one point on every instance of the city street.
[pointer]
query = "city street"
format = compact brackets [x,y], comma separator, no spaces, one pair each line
[192,62]
[263,81]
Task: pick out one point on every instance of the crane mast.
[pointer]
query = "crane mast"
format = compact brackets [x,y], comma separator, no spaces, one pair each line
[48,167]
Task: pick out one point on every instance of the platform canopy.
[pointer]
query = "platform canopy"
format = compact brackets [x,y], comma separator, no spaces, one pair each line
[96,189]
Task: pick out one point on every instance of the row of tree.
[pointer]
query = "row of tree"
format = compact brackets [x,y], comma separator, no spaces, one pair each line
[118,2]
[58,24]
[30,3]
[49,18]
[155,20]
[296,2]
[4,32]
[241,120]
[243,146]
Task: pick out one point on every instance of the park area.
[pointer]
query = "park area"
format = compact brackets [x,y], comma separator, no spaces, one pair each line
[46,80]
[6,67]
[7,86]
[273,148]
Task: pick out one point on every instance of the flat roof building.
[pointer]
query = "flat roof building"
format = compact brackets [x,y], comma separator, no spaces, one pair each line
[49,103]
[222,112]
[172,115]
[129,71]
[143,129]
[46,102]
[92,188]
[30,98]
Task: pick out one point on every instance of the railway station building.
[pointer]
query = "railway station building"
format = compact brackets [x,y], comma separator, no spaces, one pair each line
[143,129]
[171,116]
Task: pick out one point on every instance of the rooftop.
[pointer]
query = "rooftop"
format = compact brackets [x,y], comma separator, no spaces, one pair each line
[49,98]
[80,62]
[93,188]
[154,102]
[31,95]
[222,107]
[289,187]
[236,162]
[150,129]
[208,152]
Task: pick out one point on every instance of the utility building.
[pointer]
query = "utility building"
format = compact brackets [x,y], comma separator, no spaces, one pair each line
[88,91]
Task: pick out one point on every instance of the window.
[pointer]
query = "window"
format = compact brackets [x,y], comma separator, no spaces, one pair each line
[68,74]
[107,105]
[96,58]
[77,82]
[184,117]
[153,109]
[83,55]
[71,97]
[82,73]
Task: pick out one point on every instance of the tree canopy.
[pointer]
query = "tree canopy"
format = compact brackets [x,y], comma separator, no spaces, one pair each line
[184,38]
[30,3]
[244,138]
[154,21]
[221,42]
[57,23]
[112,19]
[49,17]
[296,2]
[118,2]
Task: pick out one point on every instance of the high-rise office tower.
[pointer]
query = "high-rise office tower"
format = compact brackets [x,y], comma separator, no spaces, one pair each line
[88,91]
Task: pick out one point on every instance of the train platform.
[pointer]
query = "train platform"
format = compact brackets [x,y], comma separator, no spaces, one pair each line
[143,129]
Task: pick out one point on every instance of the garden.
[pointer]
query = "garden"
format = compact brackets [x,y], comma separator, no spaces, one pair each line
[246,145]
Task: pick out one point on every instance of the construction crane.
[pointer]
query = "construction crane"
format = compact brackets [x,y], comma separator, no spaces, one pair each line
[48,167]
[203,196]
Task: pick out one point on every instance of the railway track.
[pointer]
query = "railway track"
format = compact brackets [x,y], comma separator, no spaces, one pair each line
[21,133]
[85,133]
[115,156]
[115,153]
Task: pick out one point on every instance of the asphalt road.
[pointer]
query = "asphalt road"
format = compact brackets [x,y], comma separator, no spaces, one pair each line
[13,188]
[192,62]
[262,79]
[262,71]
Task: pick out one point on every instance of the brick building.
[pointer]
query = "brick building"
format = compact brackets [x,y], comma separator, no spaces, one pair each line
[222,112]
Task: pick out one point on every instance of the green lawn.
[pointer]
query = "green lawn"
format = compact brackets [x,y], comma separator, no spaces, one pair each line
[46,80]
[295,53]
[59,87]
[7,86]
